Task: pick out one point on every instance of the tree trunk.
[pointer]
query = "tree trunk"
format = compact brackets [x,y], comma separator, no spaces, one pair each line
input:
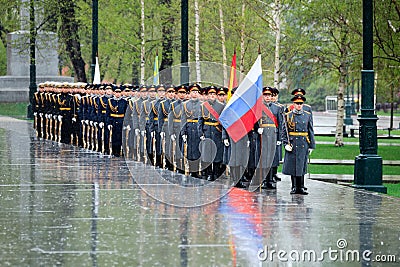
[242,38]
[221,20]
[197,39]
[69,35]
[277,19]
[340,104]
[142,50]
[166,61]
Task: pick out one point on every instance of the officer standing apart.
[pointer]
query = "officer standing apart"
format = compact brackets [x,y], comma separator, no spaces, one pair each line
[300,145]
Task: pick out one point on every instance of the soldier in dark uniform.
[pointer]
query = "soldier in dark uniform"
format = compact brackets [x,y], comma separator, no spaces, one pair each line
[76,138]
[138,128]
[175,126]
[210,131]
[222,94]
[115,119]
[145,123]
[163,112]
[129,121]
[36,108]
[278,151]
[306,107]
[190,131]
[153,121]
[301,142]
[272,130]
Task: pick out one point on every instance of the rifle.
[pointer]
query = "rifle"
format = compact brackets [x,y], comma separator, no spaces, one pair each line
[153,142]
[173,155]
[96,139]
[110,141]
[51,127]
[127,141]
[41,126]
[93,141]
[34,125]
[144,148]
[47,127]
[185,159]
[84,133]
[164,163]
[138,147]
[103,147]
[59,130]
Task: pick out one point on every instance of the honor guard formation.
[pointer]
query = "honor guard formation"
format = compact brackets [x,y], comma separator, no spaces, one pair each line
[177,128]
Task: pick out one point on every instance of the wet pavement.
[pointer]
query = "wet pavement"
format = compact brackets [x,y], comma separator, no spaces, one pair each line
[64,206]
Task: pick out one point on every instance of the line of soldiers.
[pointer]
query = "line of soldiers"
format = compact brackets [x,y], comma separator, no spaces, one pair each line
[171,127]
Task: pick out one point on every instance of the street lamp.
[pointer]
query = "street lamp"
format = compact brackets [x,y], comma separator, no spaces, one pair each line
[95,34]
[32,55]
[184,42]
[368,165]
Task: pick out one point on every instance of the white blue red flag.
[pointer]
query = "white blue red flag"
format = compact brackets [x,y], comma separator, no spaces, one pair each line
[244,108]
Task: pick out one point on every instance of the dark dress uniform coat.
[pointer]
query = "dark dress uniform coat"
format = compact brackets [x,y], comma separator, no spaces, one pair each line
[191,112]
[301,136]
[115,116]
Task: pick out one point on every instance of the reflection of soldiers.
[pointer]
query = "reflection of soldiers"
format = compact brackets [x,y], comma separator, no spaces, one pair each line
[174,128]
[163,111]
[301,142]
[211,150]
[190,132]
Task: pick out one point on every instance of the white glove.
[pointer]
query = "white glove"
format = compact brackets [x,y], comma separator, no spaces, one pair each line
[162,134]
[91,123]
[59,117]
[34,113]
[310,150]
[74,119]
[123,127]
[137,132]
[260,130]
[109,127]
[128,127]
[184,138]
[55,117]
[202,138]
[143,133]
[278,143]
[226,142]
[288,148]
[95,123]
[101,125]
[153,134]
[173,137]
[41,115]
[248,143]
[87,122]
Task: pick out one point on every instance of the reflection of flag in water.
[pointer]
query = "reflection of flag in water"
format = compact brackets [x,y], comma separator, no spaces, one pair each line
[232,77]
[156,75]
[244,108]
[245,225]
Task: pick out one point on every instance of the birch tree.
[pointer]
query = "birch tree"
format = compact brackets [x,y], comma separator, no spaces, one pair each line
[197,40]
[221,21]
[142,48]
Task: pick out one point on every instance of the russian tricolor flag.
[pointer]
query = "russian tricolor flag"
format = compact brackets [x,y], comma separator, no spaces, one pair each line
[244,108]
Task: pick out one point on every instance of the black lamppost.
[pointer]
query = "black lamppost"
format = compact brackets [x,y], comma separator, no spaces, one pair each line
[32,55]
[184,42]
[95,34]
[368,165]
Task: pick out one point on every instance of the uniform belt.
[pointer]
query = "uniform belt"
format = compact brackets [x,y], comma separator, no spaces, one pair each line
[147,118]
[211,123]
[193,121]
[117,115]
[298,133]
[165,119]
[65,108]
[176,120]
[268,125]
[156,119]
[103,111]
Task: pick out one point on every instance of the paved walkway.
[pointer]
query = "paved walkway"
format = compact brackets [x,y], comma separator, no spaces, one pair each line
[61,205]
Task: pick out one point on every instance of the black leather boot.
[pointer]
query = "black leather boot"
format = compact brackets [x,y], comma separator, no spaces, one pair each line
[301,188]
[275,173]
[293,190]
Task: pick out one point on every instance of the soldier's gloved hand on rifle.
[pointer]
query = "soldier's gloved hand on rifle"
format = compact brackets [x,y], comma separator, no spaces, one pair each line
[288,148]
[87,122]
[173,137]
[95,123]
[55,117]
[278,143]
[101,125]
[59,117]
[137,132]
[248,143]
[143,133]
[184,138]
[34,113]
[109,127]
[153,134]
[162,135]
[74,119]
[310,150]
[202,138]
[226,142]
[41,115]
[128,127]
[260,130]
[91,123]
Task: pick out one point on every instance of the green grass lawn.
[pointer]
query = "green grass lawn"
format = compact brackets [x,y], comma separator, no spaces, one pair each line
[15,110]
[393,189]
